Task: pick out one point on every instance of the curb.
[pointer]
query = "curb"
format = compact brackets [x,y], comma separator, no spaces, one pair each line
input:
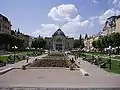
[84,72]
[6,70]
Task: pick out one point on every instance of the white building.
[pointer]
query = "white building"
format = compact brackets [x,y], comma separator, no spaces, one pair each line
[59,41]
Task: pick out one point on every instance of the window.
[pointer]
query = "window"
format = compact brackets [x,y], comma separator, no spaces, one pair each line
[59,40]
[3,25]
[68,43]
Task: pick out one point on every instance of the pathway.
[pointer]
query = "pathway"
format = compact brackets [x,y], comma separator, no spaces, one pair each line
[92,70]
[23,62]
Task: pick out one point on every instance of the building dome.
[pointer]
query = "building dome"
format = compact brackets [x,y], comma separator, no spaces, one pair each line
[59,32]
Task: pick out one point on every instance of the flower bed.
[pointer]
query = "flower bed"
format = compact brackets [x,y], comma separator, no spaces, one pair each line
[46,62]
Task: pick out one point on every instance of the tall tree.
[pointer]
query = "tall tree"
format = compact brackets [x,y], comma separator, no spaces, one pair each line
[81,42]
[86,36]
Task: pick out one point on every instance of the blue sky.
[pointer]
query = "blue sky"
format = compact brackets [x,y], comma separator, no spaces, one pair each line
[44,17]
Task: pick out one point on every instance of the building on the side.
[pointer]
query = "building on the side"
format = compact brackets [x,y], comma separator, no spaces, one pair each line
[59,41]
[112,25]
[88,42]
[118,24]
[5,25]
[27,39]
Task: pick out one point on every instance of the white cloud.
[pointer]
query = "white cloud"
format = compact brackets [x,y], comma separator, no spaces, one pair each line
[71,28]
[93,17]
[73,22]
[115,2]
[95,1]
[107,14]
[117,12]
[77,18]
[46,30]
[63,12]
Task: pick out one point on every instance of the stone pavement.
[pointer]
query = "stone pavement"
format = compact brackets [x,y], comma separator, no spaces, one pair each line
[23,62]
[92,70]
[59,77]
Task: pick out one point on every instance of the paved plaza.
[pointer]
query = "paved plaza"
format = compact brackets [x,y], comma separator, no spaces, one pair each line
[59,77]
[56,77]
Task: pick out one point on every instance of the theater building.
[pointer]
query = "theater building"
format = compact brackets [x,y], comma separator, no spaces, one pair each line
[59,41]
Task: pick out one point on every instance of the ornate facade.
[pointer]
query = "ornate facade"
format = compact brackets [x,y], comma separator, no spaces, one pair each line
[59,41]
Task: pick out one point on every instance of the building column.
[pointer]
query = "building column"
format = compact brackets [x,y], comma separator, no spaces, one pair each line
[63,45]
[54,47]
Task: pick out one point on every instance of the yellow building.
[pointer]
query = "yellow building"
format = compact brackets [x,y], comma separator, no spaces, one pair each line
[88,42]
[5,25]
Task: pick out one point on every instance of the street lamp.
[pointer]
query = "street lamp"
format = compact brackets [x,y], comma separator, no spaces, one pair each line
[14,47]
[109,49]
[27,53]
[27,50]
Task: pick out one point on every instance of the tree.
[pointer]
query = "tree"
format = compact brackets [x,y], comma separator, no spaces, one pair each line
[76,43]
[9,40]
[94,44]
[12,32]
[81,42]
[18,32]
[38,43]
[86,36]
[112,40]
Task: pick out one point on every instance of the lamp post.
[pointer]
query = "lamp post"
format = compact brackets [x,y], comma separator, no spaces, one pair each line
[109,49]
[27,53]
[27,50]
[14,47]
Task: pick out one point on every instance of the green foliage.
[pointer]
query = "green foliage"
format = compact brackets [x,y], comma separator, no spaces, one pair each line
[106,41]
[38,43]
[79,43]
[6,39]
[86,36]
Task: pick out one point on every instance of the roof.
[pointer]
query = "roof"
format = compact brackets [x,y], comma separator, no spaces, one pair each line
[4,18]
[118,16]
[59,32]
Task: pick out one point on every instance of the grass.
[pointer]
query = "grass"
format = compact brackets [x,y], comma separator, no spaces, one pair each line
[3,58]
[115,67]
[116,57]
[96,53]
[60,54]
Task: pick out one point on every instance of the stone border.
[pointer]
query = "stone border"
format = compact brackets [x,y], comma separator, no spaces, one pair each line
[84,72]
[6,70]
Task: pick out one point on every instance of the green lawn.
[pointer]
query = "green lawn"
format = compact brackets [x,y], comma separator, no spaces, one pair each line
[116,57]
[115,67]
[3,58]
